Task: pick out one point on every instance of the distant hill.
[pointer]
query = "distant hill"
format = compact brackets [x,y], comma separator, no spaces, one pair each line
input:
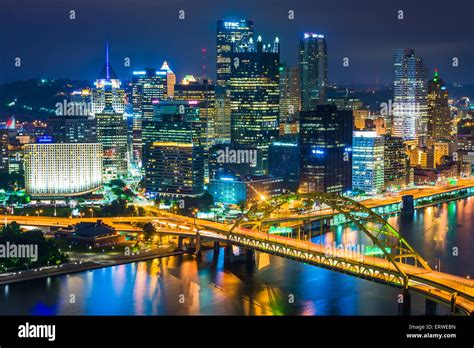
[35,98]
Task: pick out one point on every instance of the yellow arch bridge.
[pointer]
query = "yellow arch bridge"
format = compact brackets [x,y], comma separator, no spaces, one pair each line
[392,260]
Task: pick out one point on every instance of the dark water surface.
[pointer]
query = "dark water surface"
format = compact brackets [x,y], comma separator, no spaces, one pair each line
[205,286]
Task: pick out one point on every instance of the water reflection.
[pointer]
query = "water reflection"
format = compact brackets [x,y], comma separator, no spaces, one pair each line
[184,285]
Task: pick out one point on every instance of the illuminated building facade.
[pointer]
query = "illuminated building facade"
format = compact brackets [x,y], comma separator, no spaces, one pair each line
[60,170]
[289,99]
[440,150]
[228,33]
[255,96]
[149,87]
[112,134]
[242,191]
[4,150]
[170,79]
[313,70]
[395,161]
[410,89]
[173,153]
[107,90]
[72,129]
[439,115]
[325,150]
[367,162]
[203,96]
[284,158]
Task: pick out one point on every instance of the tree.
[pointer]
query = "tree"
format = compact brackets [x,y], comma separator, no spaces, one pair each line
[149,230]
[47,251]
[117,183]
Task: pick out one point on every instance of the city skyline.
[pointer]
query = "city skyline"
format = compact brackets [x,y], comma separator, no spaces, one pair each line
[300,158]
[370,58]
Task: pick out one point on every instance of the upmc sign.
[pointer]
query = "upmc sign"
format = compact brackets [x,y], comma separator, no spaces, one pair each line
[232,25]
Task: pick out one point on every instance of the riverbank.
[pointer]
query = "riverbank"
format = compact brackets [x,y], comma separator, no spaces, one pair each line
[80,266]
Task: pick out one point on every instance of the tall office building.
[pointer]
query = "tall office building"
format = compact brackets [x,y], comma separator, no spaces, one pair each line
[82,99]
[112,134]
[439,115]
[229,33]
[289,99]
[367,162]
[396,162]
[170,79]
[72,129]
[313,70]
[107,90]
[61,170]
[325,150]
[284,160]
[223,115]
[255,95]
[4,150]
[173,153]
[410,89]
[149,86]
[203,96]
[440,151]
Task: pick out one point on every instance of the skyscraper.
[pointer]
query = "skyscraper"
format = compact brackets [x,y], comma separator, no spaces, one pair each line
[149,86]
[107,89]
[228,33]
[72,129]
[170,79]
[112,134]
[410,114]
[325,150]
[255,95]
[439,115]
[173,153]
[203,96]
[4,150]
[367,162]
[313,70]
[395,162]
[289,98]
[223,114]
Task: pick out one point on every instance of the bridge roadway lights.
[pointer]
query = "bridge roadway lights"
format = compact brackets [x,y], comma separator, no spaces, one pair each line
[431,307]
[404,307]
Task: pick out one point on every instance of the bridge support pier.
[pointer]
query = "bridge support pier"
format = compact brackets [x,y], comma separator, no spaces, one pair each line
[245,256]
[431,307]
[180,242]
[197,242]
[404,306]
[228,254]
[453,303]
[217,249]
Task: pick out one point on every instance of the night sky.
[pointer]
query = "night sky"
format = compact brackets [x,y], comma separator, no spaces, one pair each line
[149,31]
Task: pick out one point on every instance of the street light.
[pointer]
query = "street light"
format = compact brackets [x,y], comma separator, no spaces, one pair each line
[92,212]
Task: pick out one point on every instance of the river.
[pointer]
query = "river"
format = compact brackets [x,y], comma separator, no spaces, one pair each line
[182,285]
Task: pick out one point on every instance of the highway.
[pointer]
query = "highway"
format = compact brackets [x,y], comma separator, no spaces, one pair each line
[433,284]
